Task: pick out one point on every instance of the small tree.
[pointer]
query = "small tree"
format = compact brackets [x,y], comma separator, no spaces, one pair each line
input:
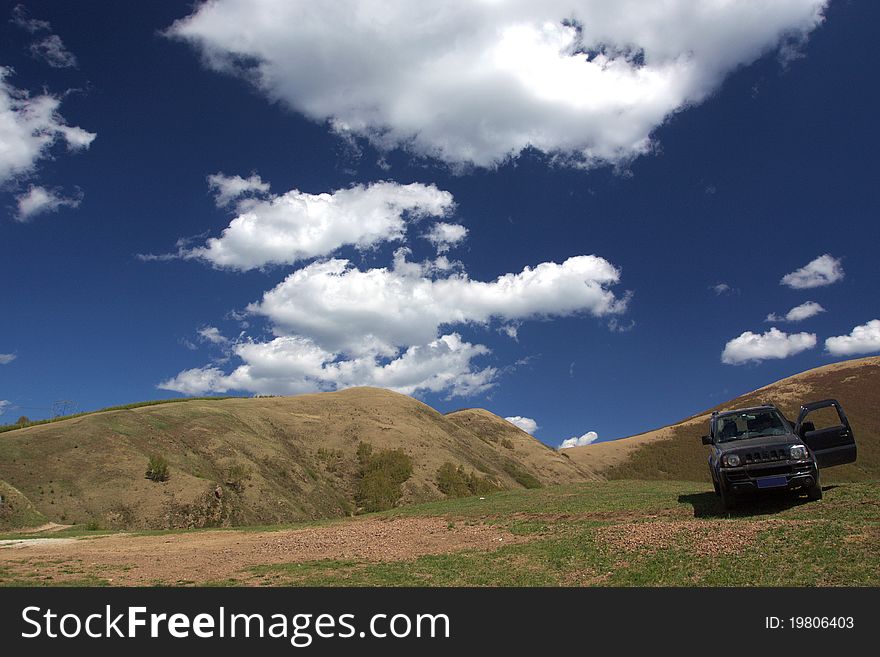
[157,469]
[24,419]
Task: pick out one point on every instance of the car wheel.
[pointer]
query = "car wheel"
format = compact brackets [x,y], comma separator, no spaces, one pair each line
[717,489]
[814,492]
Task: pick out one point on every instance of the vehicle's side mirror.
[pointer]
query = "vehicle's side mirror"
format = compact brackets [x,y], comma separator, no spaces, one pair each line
[707,440]
[807,427]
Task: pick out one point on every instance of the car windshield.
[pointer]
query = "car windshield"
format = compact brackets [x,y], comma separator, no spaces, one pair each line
[749,424]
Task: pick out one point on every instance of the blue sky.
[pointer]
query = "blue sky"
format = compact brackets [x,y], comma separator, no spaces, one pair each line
[589,178]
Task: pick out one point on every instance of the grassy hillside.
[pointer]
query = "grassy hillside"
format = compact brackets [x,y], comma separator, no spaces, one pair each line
[255,461]
[675,452]
[614,533]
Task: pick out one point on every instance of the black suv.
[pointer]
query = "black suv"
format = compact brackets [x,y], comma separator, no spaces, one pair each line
[757,449]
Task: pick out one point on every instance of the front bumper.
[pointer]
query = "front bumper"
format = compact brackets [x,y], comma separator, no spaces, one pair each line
[744,479]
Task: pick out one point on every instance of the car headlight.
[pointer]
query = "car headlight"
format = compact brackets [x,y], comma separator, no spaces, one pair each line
[732,460]
[798,452]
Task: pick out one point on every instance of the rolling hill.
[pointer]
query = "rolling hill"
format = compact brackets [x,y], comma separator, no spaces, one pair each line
[674,452]
[253,461]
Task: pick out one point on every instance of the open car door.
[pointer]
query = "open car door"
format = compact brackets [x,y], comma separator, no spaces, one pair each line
[832,444]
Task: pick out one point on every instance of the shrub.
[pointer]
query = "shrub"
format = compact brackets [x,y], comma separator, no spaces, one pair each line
[452,481]
[157,469]
[520,476]
[455,482]
[236,476]
[23,420]
[506,442]
[380,477]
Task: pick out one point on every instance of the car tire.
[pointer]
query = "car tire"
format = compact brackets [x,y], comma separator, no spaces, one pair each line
[814,492]
[717,489]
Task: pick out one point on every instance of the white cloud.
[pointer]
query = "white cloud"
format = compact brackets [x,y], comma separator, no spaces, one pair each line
[39,200]
[478,82]
[527,424]
[212,334]
[29,127]
[721,288]
[294,364]
[52,51]
[579,441]
[5,359]
[798,313]
[863,339]
[4,404]
[824,270]
[296,226]
[20,18]
[229,188]
[754,347]
[342,307]
[338,326]
[444,236]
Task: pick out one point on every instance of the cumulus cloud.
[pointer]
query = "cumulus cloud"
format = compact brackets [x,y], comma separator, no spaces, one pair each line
[295,364]
[4,404]
[863,339]
[444,236]
[5,359]
[343,307]
[798,313]
[230,188]
[824,270]
[337,326]
[478,82]
[579,441]
[754,347]
[52,51]
[295,226]
[527,424]
[29,127]
[39,200]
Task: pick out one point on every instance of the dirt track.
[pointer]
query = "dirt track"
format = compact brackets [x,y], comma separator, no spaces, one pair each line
[199,557]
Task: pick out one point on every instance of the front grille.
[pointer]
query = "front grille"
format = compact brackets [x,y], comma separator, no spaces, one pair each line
[765,456]
[770,470]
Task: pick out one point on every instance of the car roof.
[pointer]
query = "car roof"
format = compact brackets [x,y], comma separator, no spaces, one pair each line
[766,407]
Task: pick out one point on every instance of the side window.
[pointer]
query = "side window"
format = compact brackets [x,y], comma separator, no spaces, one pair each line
[824,418]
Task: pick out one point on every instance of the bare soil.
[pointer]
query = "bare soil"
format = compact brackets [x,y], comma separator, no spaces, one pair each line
[198,557]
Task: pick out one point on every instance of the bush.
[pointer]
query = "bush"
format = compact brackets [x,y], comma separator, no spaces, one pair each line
[380,477]
[520,476]
[506,442]
[452,481]
[455,482]
[157,469]
[236,476]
